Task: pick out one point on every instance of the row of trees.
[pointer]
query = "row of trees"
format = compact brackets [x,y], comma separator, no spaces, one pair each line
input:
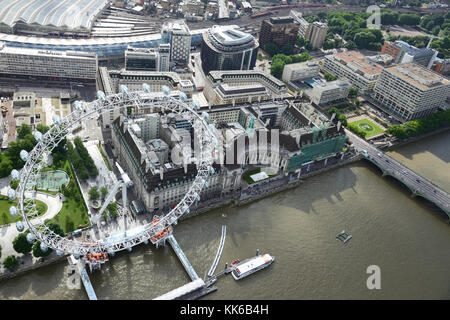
[279,60]
[81,160]
[436,23]
[95,194]
[273,49]
[419,126]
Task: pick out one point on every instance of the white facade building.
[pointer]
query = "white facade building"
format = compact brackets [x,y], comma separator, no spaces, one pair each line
[300,71]
[361,72]
[409,91]
[324,93]
[57,65]
[178,35]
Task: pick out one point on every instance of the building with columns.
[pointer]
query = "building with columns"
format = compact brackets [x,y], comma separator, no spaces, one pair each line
[232,87]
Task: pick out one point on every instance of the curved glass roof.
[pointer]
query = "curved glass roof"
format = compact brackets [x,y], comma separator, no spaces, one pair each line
[73,14]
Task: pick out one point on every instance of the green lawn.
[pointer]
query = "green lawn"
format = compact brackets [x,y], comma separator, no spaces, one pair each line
[368,126]
[73,214]
[5,204]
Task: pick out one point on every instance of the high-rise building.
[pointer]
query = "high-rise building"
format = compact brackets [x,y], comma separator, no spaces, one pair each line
[178,35]
[224,48]
[403,52]
[409,91]
[315,32]
[279,30]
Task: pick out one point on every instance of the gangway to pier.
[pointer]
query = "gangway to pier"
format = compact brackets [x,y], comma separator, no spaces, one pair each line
[184,261]
[219,252]
[183,290]
[84,277]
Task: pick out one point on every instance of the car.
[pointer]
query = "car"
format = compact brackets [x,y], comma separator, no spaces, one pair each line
[418,180]
[379,154]
[387,160]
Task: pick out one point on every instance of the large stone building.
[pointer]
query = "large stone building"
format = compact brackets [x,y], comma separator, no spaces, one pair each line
[231,87]
[281,31]
[224,48]
[110,81]
[360,71]
[409,91]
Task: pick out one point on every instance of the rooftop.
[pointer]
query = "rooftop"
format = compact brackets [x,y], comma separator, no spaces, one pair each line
[46,53]
[418,76]
[72,14]
[229,37]
[357,61]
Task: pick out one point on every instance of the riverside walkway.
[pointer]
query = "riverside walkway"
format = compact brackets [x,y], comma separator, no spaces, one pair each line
[418,185]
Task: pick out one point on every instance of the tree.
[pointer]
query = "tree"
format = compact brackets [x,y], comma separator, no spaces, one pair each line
[5,166]
[287,49]
[409,19]
[20,244]
[0,251]
[56,228]
[271,48]
[300,41]
[93,193]
[327,45]
[42,128]
[23,130]
[329,77]
[353,92]
[103,192]
[10,262]
[350,45]
[37,251]
[343,119]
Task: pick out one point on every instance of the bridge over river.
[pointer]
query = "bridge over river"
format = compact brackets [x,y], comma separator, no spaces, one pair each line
[418,185]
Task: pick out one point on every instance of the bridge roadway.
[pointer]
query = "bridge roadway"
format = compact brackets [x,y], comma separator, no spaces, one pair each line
[418,185]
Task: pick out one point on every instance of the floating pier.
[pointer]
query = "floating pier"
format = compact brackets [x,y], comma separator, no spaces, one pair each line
[184,261]
[219,252]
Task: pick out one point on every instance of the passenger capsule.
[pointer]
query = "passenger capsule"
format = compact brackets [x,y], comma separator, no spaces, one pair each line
[196,105]
[30,238]
[183,96]
[129,249]
[19,226]
[38,136]
[24,155]
[78,105]
[11,194]
[59,252]
[56,119]
[15,175]
[166,90]
[101,95]
[13,211]
[205,115]
[146,88]
[111,253]
[123,89]
[43,247]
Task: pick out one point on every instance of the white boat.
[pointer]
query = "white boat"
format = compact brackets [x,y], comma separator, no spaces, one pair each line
[249,266]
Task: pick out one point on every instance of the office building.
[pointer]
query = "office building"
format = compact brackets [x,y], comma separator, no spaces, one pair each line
[231,87]
[164,57]
[408,91]
[403,52]
[330,92]
[146,59]
[47,65]
[110,81]
[225,48]
[360,71]
[178,35]
[281,31]
[300,71]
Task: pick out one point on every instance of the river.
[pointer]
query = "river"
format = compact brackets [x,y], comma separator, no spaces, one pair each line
[407,238]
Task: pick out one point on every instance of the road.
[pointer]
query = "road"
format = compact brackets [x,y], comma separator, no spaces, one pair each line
[417,183]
